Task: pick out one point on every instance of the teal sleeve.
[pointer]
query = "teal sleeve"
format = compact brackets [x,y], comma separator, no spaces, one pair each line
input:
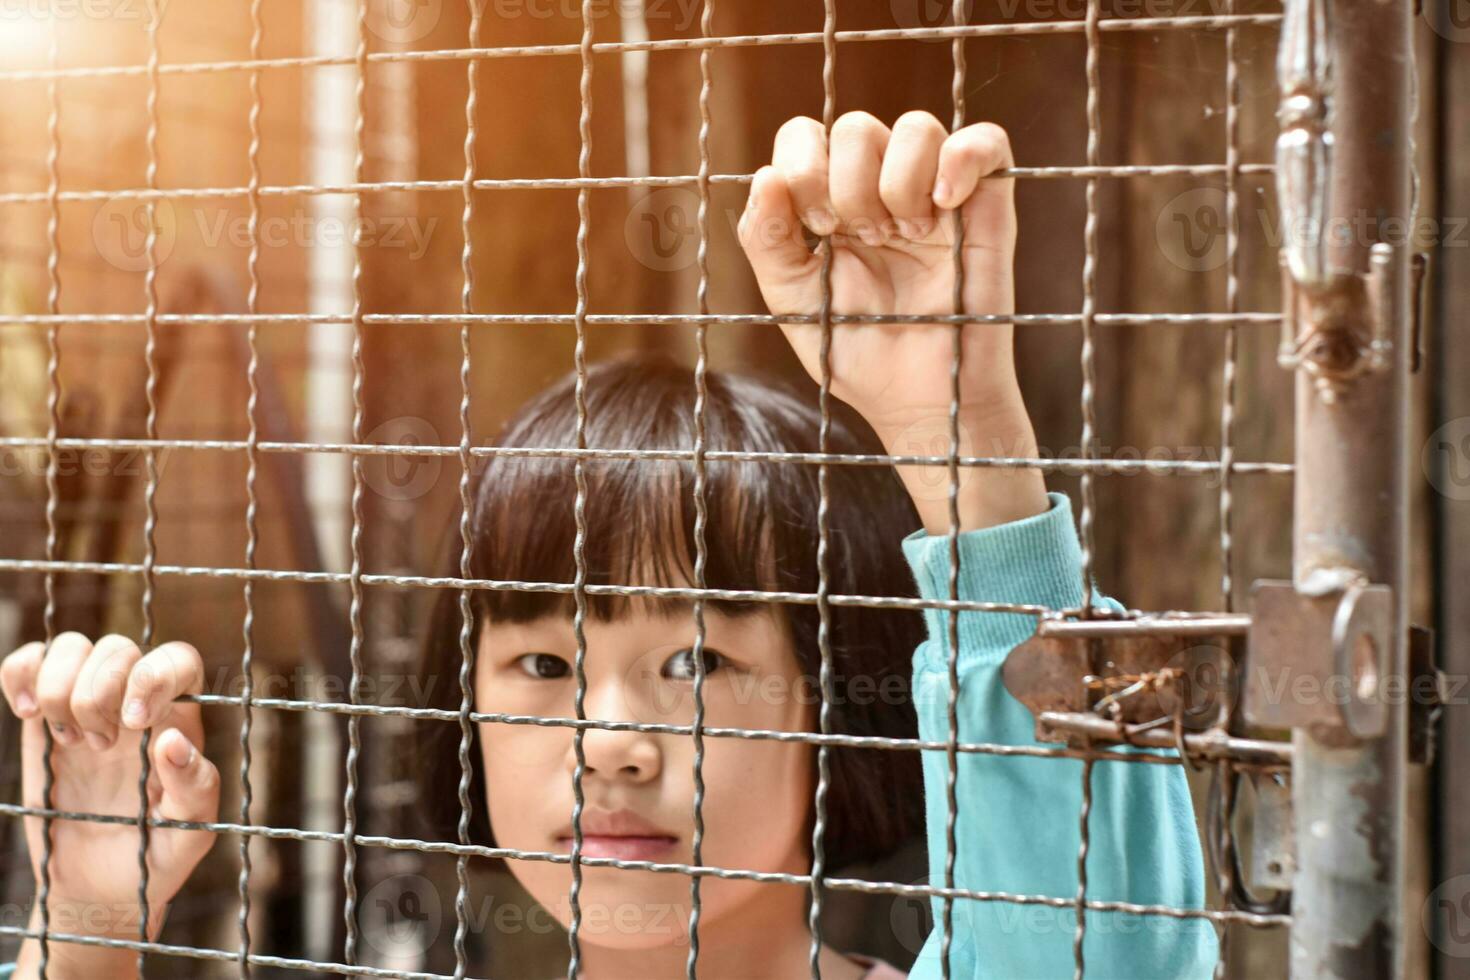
[6,970]
[1017,828]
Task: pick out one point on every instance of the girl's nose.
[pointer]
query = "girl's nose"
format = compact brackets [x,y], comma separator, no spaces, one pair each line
[629,755]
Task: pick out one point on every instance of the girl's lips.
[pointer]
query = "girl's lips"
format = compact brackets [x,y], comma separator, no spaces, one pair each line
[621,848]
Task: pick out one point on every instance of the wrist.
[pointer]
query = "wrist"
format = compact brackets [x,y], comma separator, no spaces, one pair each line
[65,959]
[988,495]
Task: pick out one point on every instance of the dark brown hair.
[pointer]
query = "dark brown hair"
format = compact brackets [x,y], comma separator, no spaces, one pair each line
[761,534]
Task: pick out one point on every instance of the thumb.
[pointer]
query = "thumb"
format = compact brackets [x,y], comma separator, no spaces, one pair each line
[189,786]
[770,232]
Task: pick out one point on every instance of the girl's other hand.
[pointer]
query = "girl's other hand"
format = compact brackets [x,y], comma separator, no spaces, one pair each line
[98,699]
[888,198]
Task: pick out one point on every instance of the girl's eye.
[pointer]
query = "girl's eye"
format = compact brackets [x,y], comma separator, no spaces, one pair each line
[680,666]
[543,666]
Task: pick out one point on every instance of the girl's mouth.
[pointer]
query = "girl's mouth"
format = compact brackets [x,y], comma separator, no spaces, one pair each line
[621,847]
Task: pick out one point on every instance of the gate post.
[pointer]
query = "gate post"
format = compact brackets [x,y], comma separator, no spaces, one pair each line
[1343,178]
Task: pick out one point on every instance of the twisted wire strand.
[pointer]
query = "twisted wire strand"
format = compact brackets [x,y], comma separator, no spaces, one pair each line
[252,504]
[53,433]
[858,885]
[1089,432]
[1114,466]
[359,187]
[701,506]
[466,538]
[1197,23]
[1085,838]
[150,493]
[1226,869]
[354,735]
[661,592]
[824,612]
[579,544]
[621,319]
[952,536]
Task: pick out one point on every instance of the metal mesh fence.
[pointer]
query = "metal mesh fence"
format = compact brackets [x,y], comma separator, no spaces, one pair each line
[1218,746]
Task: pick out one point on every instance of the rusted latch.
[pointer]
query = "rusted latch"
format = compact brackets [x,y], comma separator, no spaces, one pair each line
[1154,683]
[1318,663]
[1125,670]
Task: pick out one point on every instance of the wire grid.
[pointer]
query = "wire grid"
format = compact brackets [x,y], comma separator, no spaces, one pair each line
[1091,27]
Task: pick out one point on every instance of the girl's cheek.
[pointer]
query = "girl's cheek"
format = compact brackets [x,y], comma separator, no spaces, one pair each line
[519,749]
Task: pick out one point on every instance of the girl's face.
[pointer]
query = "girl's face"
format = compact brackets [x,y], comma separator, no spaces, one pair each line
[638,788]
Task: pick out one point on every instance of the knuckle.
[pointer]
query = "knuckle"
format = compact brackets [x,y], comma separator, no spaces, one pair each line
[856,125]
[798,123]
[83,702]
[917,122]
[53,695]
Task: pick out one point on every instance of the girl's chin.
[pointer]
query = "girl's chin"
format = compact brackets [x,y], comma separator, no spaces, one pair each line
[621,918]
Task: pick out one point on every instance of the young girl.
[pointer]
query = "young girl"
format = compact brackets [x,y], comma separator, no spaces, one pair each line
[886,197]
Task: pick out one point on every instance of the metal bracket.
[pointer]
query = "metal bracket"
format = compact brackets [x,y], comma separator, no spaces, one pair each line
[1339,328]
[1319,662]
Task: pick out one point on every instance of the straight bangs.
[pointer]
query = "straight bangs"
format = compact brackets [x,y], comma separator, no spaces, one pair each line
[640,515]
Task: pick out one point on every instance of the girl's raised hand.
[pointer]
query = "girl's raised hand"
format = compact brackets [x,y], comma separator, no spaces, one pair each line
[888,198]
[98,698]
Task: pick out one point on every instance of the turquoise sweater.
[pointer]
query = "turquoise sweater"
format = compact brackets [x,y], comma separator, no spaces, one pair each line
[1017,829]
[1018,825]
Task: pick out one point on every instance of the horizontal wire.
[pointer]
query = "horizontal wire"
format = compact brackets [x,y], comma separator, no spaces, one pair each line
[765,877]
[503,585]
[1151,467]
[875,742]
[636,319]
[219,955]
[662,44]
[578,183]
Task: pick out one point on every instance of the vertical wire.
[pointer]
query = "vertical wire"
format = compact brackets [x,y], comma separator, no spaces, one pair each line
[824,611]
[951,748]
[1224,773]
[252,536]
[579,545]
[354,737]
[466,630]
[1082,848]
[701,508]
[150,521]
[53,433]
[1089,435]
[1089,305]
